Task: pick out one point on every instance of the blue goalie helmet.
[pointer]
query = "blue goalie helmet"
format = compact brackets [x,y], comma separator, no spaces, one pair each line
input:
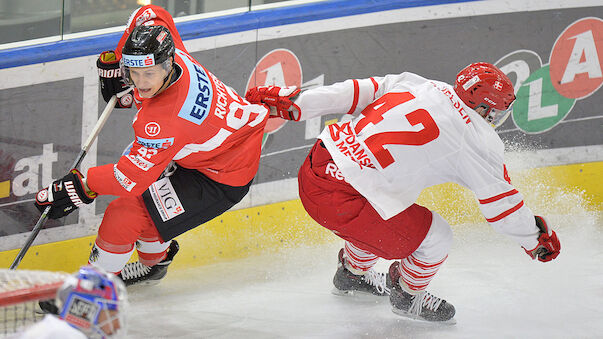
[94,302]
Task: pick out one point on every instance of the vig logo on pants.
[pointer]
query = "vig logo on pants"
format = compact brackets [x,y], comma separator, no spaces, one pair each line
[165,199]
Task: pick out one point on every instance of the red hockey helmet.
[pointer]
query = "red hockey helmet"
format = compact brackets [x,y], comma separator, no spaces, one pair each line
[484,85]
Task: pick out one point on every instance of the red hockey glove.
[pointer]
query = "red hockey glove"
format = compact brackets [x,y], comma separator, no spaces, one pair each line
[111,80]
[548,244]
[278,99]
[64,195]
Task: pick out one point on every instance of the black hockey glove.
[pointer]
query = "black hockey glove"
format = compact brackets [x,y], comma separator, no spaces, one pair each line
[111,80]
[64,195]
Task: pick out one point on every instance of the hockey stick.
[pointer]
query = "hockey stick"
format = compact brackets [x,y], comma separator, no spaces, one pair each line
[85,147]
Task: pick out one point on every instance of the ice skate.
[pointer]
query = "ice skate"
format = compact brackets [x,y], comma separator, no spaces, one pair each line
[136,273]
[347,283]
[47,307]
[420,306]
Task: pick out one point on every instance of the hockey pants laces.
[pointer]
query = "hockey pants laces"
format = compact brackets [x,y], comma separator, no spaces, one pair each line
[134,270]
[376,279]
[424,299]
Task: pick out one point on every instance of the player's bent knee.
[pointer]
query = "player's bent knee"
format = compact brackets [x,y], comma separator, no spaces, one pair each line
[438,241]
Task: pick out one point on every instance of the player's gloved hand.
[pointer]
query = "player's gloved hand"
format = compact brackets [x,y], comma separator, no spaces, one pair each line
[548,244]
[64,195]
[278,99]
[111,79]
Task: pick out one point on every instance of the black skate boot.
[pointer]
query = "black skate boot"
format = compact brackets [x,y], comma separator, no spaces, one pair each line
[47,307]
[136,273]
[348,283]
[421,306]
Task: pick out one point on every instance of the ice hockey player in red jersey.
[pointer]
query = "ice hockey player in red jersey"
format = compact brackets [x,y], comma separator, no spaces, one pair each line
[363,176]
[195,152]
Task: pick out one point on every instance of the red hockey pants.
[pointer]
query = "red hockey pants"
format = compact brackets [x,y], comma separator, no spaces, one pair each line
[337,206]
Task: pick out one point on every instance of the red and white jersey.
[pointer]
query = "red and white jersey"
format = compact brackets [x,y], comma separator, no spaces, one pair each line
[198,122]
[414,133]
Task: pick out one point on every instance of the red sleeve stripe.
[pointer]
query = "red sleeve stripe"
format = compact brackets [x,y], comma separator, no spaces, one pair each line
[376,86]
[505,213]
[356,94]
[498,197]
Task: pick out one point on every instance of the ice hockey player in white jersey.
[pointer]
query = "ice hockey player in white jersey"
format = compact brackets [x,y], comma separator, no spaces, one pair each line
[363,176]
[91,304]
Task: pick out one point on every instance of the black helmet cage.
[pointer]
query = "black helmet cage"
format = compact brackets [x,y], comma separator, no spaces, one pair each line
[147,46]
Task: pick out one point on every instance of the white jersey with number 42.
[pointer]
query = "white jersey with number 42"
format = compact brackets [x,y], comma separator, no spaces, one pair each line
[413,133]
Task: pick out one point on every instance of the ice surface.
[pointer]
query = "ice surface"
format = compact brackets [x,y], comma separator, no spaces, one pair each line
[497,290]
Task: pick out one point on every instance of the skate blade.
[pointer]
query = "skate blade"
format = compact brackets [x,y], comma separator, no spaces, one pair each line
[143,283]
[40,312]
[357,294]
[418,319]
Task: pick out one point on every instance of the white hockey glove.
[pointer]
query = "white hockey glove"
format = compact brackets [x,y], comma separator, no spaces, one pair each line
[548,247]
[279,100]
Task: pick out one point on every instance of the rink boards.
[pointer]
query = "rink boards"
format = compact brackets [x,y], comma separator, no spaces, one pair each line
[569,189]
[556,127]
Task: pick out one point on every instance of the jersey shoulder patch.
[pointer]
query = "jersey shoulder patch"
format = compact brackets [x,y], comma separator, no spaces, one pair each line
[198,102]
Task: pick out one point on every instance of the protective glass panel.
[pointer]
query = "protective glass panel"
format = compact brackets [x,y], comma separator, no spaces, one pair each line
[26,20]
[29,19]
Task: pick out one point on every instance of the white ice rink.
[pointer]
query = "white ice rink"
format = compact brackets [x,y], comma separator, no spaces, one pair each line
[497,290]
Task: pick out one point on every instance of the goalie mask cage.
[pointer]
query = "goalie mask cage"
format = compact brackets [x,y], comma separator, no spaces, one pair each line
[20,291]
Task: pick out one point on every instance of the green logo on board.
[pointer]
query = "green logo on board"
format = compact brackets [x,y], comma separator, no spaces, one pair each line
[539,106]
[547,93]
